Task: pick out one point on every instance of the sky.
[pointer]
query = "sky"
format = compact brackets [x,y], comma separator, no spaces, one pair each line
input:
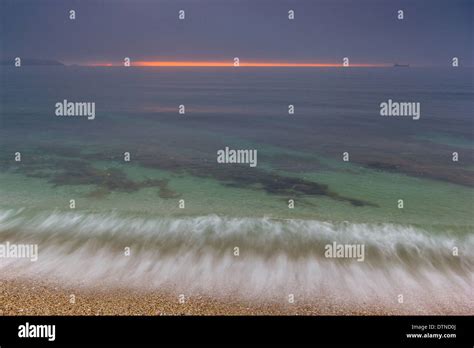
[323,31]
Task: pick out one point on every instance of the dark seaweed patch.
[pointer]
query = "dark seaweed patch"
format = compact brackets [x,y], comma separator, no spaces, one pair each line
[79,171]
[245,178]
[382,166]
[61,171]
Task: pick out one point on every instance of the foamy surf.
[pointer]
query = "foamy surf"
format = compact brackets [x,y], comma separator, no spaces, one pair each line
[275,257]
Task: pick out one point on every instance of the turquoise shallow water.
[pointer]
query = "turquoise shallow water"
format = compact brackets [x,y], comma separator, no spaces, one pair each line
[426,202]
[173,156]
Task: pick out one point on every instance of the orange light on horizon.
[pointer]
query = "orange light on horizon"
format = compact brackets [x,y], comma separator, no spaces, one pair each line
[230,64]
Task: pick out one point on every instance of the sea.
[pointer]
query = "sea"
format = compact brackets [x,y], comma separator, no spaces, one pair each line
[172,217]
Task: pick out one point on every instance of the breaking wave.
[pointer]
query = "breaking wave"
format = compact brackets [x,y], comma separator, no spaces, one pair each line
[275,256]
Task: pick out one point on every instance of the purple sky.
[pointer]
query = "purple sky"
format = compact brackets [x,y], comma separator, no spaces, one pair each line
[366,31]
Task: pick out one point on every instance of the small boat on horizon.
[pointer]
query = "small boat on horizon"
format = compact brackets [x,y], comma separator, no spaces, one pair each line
[396,65]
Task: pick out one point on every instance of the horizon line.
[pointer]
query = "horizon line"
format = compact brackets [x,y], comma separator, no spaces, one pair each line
[227,64]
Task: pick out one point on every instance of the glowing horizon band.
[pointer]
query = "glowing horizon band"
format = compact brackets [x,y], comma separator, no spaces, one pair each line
[231,64]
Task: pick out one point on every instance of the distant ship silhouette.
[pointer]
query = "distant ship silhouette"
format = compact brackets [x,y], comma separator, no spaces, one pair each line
[396,65]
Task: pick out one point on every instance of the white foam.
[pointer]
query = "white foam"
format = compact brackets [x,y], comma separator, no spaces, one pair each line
[277,257]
